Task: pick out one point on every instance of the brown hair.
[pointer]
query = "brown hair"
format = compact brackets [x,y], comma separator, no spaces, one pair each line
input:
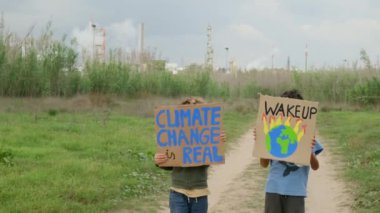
[193,100]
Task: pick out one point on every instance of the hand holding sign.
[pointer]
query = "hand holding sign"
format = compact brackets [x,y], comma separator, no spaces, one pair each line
[160,158]
[285,128]
[190,135]
[223,136]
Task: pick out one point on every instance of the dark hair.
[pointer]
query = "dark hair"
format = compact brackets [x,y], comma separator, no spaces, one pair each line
[292,94]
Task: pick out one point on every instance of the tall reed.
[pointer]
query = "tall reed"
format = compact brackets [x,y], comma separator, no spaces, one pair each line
[48,67]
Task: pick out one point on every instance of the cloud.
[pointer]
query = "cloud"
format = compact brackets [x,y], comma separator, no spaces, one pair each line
[123,34]
[346,32]
[64,14]
[246,43]
[332,41]
[252,29]
[118,35]
[247,32]
[262,8]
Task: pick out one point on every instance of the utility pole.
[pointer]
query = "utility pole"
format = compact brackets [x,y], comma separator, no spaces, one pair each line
[345,64]
[93,40]
[141,47]
[306,55]
[141,43]
[210,50]
[288,64]
[226,48]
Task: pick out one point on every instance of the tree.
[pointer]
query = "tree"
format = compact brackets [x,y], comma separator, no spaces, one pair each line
[365,59]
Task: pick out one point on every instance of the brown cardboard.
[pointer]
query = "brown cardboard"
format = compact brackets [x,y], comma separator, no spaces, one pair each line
[189,142]
[286,121]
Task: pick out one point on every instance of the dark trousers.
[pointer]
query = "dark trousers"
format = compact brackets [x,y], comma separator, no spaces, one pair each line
[276,203]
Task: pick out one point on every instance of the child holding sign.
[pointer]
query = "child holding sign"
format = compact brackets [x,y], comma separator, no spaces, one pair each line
[189,190]
[287,182]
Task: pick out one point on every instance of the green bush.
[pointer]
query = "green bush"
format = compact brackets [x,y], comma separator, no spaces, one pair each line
[368,92]
[6,157]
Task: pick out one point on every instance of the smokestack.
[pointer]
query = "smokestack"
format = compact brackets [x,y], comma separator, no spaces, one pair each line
[141,43]
[141,48]
[2,26]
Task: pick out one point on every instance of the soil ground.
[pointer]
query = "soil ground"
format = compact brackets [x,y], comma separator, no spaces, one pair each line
[238,185]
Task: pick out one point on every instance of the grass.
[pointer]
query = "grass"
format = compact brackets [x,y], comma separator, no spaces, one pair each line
[75,162]
[357,137]
[237,124]
[56,161]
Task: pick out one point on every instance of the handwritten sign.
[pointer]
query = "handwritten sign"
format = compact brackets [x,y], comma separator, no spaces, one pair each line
[189,135]
[285,128]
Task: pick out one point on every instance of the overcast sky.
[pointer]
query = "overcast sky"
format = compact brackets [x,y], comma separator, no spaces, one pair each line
[253,30]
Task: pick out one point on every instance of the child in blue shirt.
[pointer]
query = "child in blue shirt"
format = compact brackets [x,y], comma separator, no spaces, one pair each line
[287,182]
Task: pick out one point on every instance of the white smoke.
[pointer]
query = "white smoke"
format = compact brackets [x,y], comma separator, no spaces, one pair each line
[84,37]
[121,35]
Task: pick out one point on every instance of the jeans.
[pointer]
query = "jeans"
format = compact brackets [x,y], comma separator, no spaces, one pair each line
[180,203]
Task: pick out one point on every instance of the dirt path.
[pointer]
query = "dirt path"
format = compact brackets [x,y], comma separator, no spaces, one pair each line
[222,176]
[231,184]
[238,185]
[326,192]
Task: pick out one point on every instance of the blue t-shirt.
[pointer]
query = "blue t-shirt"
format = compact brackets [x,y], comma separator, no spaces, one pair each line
[288,179]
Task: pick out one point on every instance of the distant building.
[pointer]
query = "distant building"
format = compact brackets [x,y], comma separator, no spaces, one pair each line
[173,67]
[156,65]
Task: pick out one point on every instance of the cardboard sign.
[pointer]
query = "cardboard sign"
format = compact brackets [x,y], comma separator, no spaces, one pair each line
[285,129]
[189,135]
